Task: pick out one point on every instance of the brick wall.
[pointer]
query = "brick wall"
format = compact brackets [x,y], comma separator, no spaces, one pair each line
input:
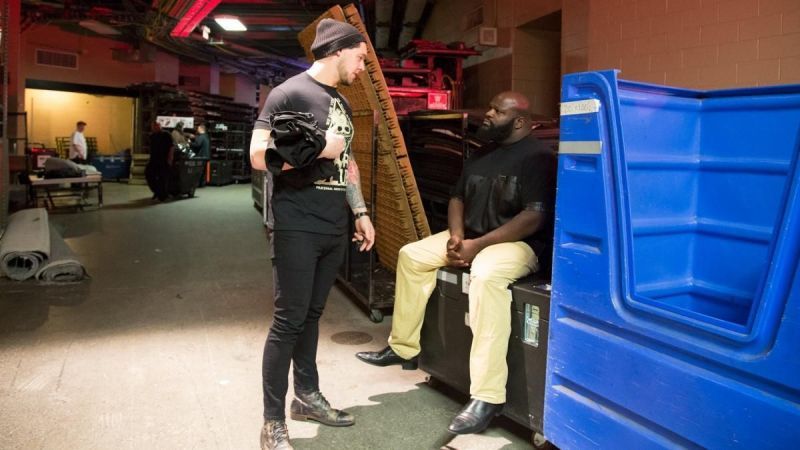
[575,36]
[536,70]
[696,43]
[483,81]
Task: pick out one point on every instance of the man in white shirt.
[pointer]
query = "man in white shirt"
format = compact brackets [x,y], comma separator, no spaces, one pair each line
[77,145]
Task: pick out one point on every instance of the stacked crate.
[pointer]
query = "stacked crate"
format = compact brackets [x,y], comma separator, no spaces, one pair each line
[228,123]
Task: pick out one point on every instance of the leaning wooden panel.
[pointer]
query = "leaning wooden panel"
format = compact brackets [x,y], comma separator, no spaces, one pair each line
[400,217]
[361,147]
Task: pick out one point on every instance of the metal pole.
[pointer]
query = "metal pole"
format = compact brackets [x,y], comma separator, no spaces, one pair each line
[4,160]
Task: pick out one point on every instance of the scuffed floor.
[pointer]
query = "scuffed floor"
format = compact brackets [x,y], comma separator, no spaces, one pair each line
[161,349]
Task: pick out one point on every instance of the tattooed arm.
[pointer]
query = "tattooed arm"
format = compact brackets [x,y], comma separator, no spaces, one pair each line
[365,232]
[354,197]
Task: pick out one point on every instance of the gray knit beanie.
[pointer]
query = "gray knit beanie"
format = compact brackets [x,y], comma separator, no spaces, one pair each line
[332,36]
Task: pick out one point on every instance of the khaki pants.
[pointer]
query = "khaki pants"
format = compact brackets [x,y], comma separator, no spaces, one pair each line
[492,270]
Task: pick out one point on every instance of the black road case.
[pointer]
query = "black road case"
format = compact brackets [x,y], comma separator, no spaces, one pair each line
[446,339]
[185,177]
[221,172]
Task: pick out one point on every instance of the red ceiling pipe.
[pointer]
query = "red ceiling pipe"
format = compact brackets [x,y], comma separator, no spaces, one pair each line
[196,13]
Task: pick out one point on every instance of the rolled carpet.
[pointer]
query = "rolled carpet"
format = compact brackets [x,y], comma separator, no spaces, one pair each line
[62,266]
[25,244]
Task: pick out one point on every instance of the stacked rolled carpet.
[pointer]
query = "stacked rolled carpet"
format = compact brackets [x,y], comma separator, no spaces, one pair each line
[62,265]
[26,243]
[31,247]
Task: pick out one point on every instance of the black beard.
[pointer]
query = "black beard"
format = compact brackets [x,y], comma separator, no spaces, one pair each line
[495,133]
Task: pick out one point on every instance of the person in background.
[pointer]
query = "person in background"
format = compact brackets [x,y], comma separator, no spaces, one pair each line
[201,146]
[500,225]
[178,138]
[77,144]
[308,224]
[157,171]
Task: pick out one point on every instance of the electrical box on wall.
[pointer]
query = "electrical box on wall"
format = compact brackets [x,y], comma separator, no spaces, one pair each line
[487,36]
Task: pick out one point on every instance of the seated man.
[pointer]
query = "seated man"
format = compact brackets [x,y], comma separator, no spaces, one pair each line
[500,219]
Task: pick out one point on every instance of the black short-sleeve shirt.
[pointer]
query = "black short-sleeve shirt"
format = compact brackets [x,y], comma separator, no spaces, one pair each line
[160,143]
[498,184]
[320,207]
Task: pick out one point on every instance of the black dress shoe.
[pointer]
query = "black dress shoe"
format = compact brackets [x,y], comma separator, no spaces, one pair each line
[475,417]
[387,357]
[313,406]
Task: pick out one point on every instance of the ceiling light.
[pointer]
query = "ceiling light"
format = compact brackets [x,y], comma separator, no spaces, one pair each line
[230,23]
[98,27]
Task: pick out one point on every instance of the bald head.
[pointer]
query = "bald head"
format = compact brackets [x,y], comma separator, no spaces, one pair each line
[515,101]
[508,118]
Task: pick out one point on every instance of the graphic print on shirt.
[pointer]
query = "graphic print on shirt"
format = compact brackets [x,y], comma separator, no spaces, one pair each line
[339,122]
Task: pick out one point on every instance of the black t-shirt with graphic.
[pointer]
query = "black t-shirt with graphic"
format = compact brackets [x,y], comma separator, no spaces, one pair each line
[497,184]
[320,207]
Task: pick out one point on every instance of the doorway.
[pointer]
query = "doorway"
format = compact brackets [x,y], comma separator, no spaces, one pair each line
[536,65]
[52,114]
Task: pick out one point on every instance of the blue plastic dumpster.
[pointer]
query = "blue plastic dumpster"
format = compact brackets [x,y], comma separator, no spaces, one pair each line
[112,167]
[675,319]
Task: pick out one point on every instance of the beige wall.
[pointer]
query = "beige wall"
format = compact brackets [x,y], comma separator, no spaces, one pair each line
[197,77]
[689,43]
[242,89]
[167,68]
[536,68]
[95,64]
[245,90]
[697,43]
[53,114]
[575,36]
[483,81]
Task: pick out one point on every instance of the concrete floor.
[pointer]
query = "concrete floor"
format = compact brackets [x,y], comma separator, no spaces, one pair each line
[162,348]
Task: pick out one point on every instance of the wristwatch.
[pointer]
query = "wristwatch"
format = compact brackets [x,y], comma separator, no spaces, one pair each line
[360,214]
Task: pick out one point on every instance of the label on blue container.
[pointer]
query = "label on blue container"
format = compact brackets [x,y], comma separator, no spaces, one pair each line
[580,147]
[580,107]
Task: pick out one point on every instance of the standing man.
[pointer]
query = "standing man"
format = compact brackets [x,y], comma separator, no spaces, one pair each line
[308,226]
[157,171]
[500,221]
[77,144]
[201,146]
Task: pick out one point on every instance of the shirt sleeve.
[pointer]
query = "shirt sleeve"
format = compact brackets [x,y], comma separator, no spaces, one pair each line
[77,141]
[277,100]
[539,181]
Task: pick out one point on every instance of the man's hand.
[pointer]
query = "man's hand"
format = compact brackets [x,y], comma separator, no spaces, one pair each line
[365,233]
[334,145]
[464,254]
[454,246]
[454,243]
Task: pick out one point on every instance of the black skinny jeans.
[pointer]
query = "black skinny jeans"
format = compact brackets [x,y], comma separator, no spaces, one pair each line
[304,267]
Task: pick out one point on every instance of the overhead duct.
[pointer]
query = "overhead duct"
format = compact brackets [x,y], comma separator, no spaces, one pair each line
[414,9]
[383,23]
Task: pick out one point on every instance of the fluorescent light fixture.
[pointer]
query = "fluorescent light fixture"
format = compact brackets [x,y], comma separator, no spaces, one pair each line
[230,23]
[98,27]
